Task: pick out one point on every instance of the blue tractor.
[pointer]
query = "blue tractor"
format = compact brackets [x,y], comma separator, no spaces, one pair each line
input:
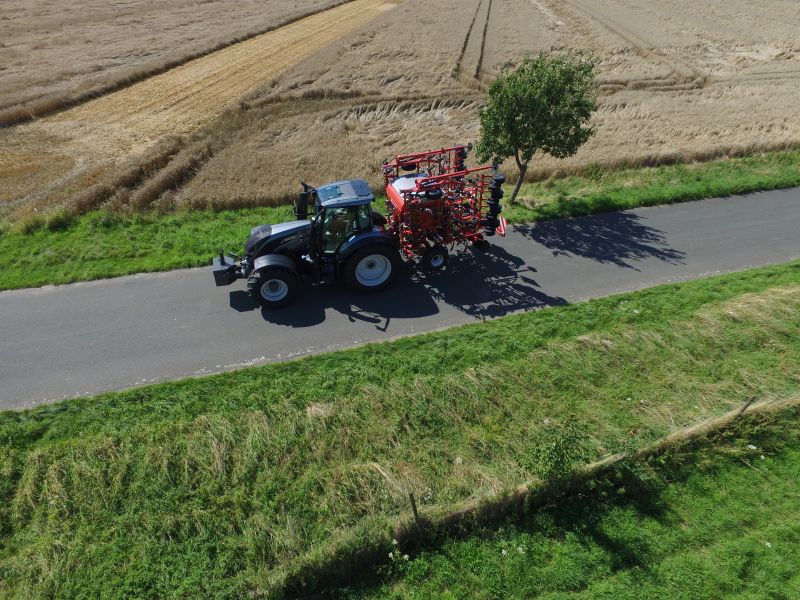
[344,240]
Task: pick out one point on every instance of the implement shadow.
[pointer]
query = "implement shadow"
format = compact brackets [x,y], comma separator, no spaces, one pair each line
[619,238]
[488,284]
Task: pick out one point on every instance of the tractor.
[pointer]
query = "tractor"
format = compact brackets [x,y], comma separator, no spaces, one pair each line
[433,202]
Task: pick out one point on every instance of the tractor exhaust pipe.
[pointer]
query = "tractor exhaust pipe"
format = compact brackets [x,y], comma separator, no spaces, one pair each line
[301,204]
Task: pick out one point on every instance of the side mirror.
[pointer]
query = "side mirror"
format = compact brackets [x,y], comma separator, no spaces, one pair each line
[301,204]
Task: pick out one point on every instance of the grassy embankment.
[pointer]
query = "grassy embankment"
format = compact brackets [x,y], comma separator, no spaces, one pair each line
[249,481]
[720,520]
[64,249]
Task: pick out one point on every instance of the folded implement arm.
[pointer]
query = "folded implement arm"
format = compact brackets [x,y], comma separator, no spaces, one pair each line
[433,199]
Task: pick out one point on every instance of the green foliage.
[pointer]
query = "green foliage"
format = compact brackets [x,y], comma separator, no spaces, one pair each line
[542,105]
[558,448]
[59,220]
[226,485]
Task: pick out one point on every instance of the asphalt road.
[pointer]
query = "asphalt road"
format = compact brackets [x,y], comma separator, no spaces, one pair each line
[86,338]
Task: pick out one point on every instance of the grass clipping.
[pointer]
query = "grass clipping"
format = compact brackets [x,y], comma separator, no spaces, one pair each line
[253,501]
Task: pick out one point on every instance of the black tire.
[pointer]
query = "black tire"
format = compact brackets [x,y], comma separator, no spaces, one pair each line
[435,258]
[273,287]
[371,269]
[378,219]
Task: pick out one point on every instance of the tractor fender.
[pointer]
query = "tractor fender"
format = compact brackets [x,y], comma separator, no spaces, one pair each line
[367,238]
[274,260]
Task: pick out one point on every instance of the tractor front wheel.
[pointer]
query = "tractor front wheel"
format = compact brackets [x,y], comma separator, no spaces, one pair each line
[435,258]
[273,288]
[371,269]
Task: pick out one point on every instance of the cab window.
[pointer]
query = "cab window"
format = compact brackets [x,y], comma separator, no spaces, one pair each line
[340,223]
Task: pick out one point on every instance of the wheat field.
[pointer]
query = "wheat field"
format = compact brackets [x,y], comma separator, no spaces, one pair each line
[678,81]
[53,52]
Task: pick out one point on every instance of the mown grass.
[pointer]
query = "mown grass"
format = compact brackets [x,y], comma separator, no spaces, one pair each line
[717,520]
[250,481]
[106,244]
[62,249]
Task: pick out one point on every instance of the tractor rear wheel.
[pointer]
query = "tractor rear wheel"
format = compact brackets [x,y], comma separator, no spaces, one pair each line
[435,258]
[273,287]
[371,269]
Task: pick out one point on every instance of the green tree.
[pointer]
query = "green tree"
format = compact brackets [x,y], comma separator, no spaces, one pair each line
[541,105]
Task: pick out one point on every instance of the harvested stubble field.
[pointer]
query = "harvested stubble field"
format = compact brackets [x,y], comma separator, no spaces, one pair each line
[335,94]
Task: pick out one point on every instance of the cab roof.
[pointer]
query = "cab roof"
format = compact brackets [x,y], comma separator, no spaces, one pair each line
[348,192]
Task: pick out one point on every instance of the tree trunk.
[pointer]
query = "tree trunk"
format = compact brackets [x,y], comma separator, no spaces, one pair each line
[523,168]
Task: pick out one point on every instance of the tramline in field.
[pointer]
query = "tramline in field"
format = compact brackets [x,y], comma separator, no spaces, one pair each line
[434,203]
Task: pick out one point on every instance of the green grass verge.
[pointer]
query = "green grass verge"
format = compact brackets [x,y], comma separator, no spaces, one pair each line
[599,190]
[721,520]
[242,482]
[103,244]
[64,249]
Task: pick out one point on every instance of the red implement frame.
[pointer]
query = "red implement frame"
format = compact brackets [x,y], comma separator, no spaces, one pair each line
[432,198]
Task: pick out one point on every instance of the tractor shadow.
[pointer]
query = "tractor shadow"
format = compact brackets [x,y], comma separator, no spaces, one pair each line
[404,300]
[481,285]
[619,238]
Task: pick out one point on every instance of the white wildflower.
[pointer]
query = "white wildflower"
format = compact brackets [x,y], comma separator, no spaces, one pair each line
[394,542]
[628,398]
[763,457]
[405,556]
[504,552]
[519,549]
[751,447]
[768,545]
[391,555]
[546,421]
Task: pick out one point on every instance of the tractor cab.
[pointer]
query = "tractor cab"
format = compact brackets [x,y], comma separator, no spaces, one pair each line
[342,210]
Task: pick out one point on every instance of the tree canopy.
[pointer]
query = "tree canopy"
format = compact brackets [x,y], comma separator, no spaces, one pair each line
[541,105]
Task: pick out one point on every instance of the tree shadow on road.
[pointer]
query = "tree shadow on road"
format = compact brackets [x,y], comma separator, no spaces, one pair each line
[620,238]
